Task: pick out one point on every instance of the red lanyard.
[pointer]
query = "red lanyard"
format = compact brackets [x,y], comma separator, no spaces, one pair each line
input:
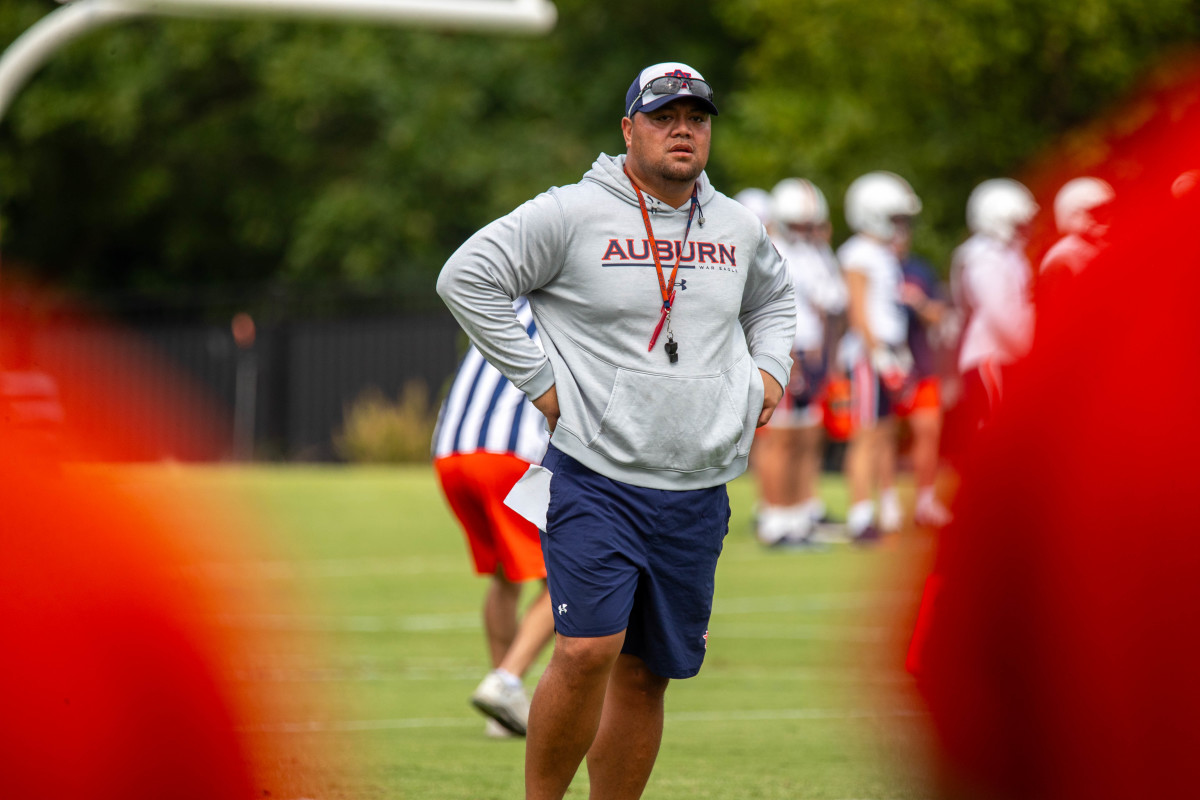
[667,289]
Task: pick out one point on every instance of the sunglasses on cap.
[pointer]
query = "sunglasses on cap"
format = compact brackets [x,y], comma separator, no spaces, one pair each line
[672,84]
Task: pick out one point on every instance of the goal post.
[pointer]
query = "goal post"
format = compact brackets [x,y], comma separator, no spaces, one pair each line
[74,19]
[504,16]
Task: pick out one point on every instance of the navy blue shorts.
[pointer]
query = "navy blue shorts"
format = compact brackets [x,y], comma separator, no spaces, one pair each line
[812,374]
[626,558]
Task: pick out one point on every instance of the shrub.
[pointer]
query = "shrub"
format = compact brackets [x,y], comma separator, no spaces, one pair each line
[377,430]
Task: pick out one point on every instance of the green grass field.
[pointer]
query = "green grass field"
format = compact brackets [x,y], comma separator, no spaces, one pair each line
[366,638]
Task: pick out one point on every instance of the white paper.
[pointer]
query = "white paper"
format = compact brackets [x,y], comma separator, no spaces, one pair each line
[530,497]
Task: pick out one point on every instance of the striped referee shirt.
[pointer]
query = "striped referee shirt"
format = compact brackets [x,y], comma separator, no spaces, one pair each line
[484,412]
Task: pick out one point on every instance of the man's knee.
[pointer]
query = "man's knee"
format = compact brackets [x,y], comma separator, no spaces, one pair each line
[502,583]
[587,655]
[633,675]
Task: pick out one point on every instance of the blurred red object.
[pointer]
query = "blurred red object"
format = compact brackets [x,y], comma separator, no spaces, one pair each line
[1057,644]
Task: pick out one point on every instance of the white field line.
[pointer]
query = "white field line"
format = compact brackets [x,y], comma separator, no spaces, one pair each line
[828,601]
[333,675]
[316,623]
[306,669]
[328,568]
[771,715]
[853,634]
[467,622]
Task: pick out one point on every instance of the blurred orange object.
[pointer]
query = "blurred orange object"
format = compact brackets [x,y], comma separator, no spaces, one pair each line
[835,405]
[108,685]
[116,679]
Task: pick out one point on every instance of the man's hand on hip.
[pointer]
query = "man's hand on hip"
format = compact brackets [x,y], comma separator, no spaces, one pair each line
[548,405]
[772,394]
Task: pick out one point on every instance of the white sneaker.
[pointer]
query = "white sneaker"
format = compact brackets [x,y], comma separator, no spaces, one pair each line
[506,704]
[494,730]
[773,525]
[932,514]
[891,516]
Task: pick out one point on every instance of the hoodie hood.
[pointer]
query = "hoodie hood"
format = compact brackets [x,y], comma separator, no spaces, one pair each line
[609,172]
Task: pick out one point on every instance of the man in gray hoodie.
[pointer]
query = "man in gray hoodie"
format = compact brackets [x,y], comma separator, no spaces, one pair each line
[667,319]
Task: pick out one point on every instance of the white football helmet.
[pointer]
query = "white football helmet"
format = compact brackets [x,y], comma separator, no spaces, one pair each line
[999,208]
[875,199]
[795,201]
[1074,203]
[758,201]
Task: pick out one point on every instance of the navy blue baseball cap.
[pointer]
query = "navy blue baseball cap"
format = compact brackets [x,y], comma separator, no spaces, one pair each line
[660,84]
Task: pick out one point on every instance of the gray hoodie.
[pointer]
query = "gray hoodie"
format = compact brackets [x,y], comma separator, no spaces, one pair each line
[581,255]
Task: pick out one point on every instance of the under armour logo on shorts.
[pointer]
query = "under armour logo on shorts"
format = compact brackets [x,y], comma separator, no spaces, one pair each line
[562,609]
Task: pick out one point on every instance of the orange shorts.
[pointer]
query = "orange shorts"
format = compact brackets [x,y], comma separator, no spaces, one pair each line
[927,395]
[475,485]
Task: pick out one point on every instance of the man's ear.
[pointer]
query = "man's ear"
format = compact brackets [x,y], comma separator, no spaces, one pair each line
[626,129]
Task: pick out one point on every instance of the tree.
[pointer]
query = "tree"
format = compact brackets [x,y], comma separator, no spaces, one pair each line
[186,159]
[947,93]
[169,154]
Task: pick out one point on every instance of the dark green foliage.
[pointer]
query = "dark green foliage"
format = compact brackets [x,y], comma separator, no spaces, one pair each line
[166,157]
[946,93]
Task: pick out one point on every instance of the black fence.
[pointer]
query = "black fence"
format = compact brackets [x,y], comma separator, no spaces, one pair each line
[190,392]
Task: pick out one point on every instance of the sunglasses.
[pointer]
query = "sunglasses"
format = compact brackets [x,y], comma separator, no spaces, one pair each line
[671,84]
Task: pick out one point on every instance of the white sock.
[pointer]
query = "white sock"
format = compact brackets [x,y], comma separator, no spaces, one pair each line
[816,508]
[926,496]
[772,523]
[889,497]
[510,680]
[859,516]
[799,521]
[891,516]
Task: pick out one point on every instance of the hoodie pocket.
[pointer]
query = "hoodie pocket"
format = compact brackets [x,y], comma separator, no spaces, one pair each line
[684,424]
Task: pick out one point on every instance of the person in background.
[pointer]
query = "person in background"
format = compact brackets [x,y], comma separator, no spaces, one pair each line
[991,281]
[787,451]
[487,435]
[921,406]
[757,200]
[1082,208]
[880,207]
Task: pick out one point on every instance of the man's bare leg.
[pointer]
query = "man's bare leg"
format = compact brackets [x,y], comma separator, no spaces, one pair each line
[775,459]
[534,631]
[565,713]
[927,430]
[500,615]
[808,462]
[773,456]
[860,464]
[623,753]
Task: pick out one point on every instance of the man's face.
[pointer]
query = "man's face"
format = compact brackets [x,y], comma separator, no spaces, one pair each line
[670,143]
[902,239]
[801,231]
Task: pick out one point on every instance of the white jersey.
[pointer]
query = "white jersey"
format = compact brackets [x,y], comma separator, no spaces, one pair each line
[1071,252]
[993,283]
[818,286]
[885,314]
[484,412]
